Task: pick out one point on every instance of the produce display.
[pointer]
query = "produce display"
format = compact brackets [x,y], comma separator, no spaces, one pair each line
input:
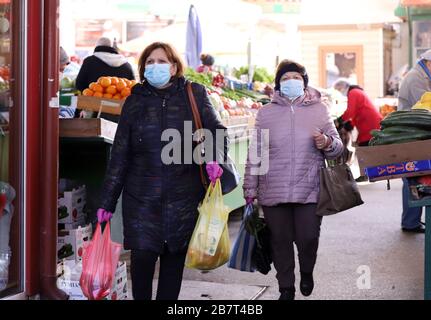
[387,109]
[403,127]
[229,97]
[260,75]
[110,88]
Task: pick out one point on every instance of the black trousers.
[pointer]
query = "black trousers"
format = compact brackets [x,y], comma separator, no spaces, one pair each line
[143,265]
[289,224]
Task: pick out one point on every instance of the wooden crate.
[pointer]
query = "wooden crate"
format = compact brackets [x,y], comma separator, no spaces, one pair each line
[110,106]
[395,153]
[80,128]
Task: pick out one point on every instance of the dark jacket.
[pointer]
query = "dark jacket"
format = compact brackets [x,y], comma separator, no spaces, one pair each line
[159,201]
[105,62]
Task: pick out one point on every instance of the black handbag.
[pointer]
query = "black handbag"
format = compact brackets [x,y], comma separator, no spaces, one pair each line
[338,189]
[230,178]
[257,227]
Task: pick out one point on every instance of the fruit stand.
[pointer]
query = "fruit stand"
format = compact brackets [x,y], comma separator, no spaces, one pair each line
[402,149]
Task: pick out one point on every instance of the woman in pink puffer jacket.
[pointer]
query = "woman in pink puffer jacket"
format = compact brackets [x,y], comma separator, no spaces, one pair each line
[293,136]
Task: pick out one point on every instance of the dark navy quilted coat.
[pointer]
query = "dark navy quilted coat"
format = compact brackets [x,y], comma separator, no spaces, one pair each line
[159,201]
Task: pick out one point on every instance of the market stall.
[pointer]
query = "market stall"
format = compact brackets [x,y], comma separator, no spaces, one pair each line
[418,14]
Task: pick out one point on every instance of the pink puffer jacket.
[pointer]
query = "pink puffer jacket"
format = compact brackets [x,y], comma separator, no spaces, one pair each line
[292,173]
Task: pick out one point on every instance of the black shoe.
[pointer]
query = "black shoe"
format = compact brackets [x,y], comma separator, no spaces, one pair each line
[287,294]
[307,284]
[420,229]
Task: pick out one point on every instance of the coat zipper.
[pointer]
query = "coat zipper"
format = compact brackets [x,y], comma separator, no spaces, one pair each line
[163,197]
[292,173]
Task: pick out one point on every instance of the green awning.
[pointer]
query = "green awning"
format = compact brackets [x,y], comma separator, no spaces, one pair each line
[401,11]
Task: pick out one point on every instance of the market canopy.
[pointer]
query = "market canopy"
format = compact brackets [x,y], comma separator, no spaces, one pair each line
[415,3]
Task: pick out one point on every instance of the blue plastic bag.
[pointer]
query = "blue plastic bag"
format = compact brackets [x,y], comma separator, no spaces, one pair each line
[242,254]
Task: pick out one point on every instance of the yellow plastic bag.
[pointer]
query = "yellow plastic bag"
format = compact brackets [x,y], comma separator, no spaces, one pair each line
[209,247]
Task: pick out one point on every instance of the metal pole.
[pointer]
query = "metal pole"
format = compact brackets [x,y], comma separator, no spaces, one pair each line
[409,21]
[428,253]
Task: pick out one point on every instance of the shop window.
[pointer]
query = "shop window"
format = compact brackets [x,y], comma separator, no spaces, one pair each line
[421,37]
[341,62]
[11,159]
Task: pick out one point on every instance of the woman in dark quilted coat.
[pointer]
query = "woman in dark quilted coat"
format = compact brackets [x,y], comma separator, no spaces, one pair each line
[160,200]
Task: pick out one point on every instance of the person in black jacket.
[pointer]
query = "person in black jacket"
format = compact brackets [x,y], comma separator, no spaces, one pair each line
[105,62]
[160,200]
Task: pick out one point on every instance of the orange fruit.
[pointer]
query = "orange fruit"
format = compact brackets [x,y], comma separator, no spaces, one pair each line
[117,97]
[126,92]
[112,90]
[97,88]
[114,81]
[107,96]
[128,82]
[92,86]
[104,81]
[98,94]
[133,83]
[88,93]
[121,85]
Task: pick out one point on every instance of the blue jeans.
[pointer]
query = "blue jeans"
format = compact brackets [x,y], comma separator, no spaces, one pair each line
[411,216]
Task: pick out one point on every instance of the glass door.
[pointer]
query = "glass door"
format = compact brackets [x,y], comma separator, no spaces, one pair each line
[11,147]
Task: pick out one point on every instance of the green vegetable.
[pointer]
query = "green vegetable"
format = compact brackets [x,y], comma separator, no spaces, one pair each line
[260,74]
[413,119]
[385,139]
[204,79]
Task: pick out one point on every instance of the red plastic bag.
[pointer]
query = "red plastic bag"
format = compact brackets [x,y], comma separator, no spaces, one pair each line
[99,263]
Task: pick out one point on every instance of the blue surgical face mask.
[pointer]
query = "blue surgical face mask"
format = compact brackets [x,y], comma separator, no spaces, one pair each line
[158,75]
[292,88]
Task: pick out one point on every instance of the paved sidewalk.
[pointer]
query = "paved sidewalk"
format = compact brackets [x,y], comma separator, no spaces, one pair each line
[367,238]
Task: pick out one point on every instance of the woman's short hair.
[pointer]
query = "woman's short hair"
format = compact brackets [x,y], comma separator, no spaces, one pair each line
[171,53]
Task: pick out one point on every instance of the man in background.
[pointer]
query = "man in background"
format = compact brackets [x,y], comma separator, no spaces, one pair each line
[414,85]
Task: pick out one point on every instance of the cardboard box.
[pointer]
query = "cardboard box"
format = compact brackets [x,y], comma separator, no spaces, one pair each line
[80,222]
[85,128]
[71,206]
[70,243]
[369,157]
[71,273]
[110,106]
[399,170]
[120,285]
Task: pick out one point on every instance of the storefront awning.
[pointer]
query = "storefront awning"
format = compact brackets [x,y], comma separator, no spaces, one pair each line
[416,3]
